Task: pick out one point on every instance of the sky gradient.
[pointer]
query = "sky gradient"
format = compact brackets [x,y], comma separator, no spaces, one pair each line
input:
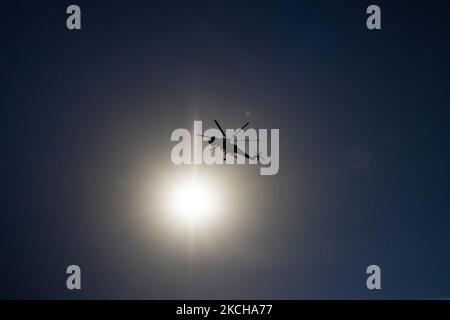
[364,157]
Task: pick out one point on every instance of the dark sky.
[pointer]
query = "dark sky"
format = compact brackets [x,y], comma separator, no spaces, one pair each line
[364,153]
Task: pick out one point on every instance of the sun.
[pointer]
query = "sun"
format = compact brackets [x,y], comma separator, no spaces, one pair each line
[193,201]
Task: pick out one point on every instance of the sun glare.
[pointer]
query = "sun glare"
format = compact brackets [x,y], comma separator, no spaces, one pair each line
[193,201]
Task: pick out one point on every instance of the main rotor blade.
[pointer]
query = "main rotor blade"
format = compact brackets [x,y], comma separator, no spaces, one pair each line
[221,130]
[237,131]
[202,135]
[245,139]
[242,128]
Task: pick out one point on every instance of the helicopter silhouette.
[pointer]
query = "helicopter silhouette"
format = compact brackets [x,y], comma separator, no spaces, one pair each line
[227,146]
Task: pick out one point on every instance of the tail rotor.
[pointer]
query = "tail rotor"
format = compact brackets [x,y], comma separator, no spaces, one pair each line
[259,157]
